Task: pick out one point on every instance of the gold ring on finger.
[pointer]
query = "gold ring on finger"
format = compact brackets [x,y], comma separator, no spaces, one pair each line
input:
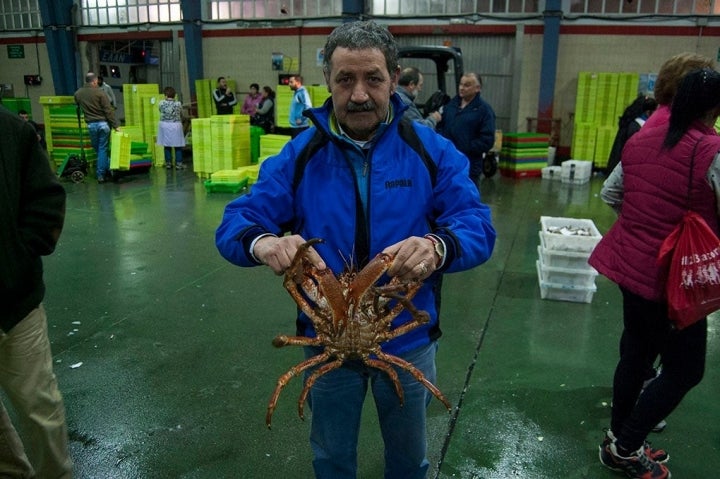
[423,268]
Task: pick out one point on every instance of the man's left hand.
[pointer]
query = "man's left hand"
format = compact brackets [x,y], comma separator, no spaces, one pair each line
[415,258]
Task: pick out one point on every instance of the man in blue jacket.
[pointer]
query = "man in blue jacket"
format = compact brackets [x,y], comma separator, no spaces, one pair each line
[469,122]
[367,182]
[300,102]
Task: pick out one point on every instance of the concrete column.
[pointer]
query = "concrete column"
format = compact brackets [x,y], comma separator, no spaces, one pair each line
[548,68]
[192,31]
[60,31]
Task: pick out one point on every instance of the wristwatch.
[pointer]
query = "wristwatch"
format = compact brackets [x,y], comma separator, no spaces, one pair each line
[439,249]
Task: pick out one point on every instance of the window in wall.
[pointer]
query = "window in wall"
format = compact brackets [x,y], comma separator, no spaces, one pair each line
[452,7]
[122,12]
[646,7]
[259,9]
[20,15]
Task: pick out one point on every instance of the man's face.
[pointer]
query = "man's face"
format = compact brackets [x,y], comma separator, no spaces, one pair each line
[469,87]
[294,85]
[24,116]
[361,86]
[222,84]
[418,87]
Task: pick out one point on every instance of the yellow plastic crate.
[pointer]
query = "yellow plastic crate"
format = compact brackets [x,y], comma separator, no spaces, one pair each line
[120,144]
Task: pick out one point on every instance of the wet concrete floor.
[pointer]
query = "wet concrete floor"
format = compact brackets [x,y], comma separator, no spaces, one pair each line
[164,359]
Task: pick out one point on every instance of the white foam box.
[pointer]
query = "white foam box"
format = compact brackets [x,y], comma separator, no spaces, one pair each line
[576,172]
[583,278]
[559,292]
[564,259]
[551,173]
[563,234]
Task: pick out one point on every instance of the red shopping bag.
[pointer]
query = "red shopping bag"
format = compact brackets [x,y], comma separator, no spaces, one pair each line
[693,282]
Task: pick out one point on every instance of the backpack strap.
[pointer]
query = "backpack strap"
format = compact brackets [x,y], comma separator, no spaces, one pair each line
[318,141]
[410,136]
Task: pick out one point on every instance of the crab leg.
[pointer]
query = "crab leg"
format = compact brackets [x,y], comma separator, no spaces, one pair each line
[403,301]
[368,276]
[419,317]
[319,285]
[285,379]
[283,340]
[417,374]
[387,369]
[324,369]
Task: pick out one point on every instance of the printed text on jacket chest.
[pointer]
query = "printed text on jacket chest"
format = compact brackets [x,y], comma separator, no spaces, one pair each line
[399,183]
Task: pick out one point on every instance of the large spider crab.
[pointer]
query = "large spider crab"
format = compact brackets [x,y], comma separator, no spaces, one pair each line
[351,317]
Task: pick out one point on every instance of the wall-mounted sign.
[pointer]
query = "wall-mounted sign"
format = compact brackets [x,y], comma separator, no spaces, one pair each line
[16,51]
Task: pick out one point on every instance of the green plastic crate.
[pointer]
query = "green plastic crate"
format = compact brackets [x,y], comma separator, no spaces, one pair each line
[225,187]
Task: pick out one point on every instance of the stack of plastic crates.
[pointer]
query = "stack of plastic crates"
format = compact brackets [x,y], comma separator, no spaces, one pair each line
[226,181]
[63,135]
[230,141]
[128,151]
[202,147]
[523,154]
[562,265]
[283,99]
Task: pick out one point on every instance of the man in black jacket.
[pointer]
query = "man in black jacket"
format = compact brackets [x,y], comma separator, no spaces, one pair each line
[32,213]
[224,99]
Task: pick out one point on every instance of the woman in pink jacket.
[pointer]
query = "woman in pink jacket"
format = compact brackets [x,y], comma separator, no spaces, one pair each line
[656,165]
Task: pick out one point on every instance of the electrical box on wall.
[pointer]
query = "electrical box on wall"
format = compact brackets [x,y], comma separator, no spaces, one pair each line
[32,80]
[284,78]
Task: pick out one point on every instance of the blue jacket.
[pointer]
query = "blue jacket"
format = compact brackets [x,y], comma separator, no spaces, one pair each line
[471,129]
[300,102]
[402,200]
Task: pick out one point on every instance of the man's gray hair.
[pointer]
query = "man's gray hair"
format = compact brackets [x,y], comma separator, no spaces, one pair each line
[362,36]
[90,77]
[409,75]
[476,76]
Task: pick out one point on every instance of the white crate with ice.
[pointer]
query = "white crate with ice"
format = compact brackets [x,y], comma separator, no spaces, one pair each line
[564,259]
[568,234]
[566,276]
[561,292]
[576,172]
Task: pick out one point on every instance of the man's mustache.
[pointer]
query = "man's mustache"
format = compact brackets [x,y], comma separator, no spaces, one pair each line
[360,107]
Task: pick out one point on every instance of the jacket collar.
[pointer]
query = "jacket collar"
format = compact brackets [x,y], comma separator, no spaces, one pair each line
[324,119]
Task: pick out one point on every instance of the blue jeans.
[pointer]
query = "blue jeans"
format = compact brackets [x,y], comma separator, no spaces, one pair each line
[336,401]
[169,154]
[100,139]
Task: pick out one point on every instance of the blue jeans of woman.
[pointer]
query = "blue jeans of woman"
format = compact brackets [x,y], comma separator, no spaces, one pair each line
[100,139]
[648,334]
[336,401]
[169,155]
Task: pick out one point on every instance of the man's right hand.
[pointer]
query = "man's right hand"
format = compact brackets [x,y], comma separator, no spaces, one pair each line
[279,252]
